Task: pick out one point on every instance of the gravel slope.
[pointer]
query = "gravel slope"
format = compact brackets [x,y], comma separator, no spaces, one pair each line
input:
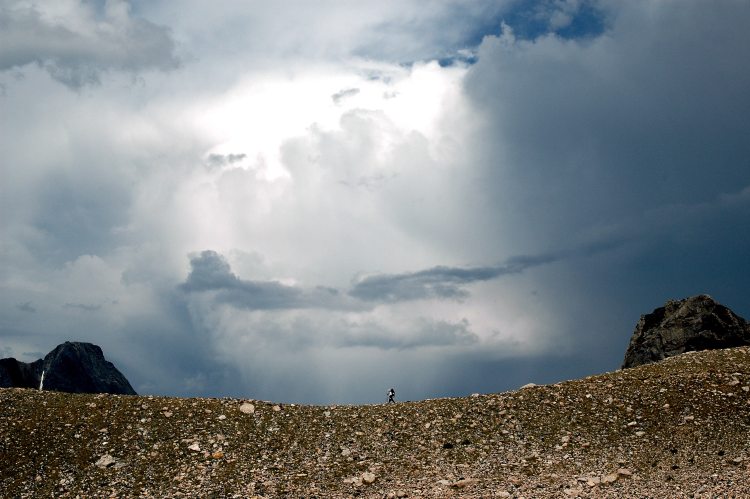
[678,428]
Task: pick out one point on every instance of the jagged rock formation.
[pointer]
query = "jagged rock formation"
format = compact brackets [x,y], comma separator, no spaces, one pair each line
[73,367]
[692,324]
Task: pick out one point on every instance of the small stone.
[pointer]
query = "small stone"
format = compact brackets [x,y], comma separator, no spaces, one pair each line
[217,455]
[640,433]
[327,414]
[528,385]
[106,461]
[167,414]
[194,447]
[503,493]
[222,417]
[276,408]
[463,483]
[368,478]
[346,452]
[611,478]
[247,408]
[401,493]
[444,482]
[624,472]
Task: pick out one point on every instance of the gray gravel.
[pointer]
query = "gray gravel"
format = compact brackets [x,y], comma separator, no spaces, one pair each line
[677,428]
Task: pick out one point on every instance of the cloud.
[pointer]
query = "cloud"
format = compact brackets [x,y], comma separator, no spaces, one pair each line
[633,130]
[26,307]
[437,282]
[220,160]
[401,31]
[83,306]
[75,41]
[211,272]
[344,94]
[444,282]
[602,143]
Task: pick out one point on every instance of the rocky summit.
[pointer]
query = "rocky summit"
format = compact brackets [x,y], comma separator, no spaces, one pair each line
[693,324]
[675,428]
[73,367]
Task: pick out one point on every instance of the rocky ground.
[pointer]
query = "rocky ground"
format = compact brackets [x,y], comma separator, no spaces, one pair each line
[678,428]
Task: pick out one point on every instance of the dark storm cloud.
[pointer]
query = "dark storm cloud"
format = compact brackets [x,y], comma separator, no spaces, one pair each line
[637,135]
[74,46]
[449,282]
[437,282]
[211,272]
[653,113]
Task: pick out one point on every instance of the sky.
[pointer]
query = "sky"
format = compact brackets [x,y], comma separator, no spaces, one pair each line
[313,202]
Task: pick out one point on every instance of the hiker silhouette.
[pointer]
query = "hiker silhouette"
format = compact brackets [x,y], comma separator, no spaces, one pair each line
[391,394]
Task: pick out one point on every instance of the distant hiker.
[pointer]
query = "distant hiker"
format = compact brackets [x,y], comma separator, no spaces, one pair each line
[391,394]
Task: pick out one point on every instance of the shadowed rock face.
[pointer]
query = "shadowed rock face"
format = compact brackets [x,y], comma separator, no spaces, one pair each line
[72,367]
[693,324]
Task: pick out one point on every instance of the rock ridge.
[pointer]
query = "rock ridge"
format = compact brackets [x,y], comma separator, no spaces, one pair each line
[73,367]
[691,324]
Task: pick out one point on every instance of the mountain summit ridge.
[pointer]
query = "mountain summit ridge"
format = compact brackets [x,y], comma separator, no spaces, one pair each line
[73,367]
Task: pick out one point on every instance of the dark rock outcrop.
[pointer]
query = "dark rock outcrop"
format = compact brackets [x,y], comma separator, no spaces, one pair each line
[72,367]
[691,324]
[19,374]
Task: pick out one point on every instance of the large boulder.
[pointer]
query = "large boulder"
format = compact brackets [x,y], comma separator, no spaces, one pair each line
[73,367]
[692,324]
